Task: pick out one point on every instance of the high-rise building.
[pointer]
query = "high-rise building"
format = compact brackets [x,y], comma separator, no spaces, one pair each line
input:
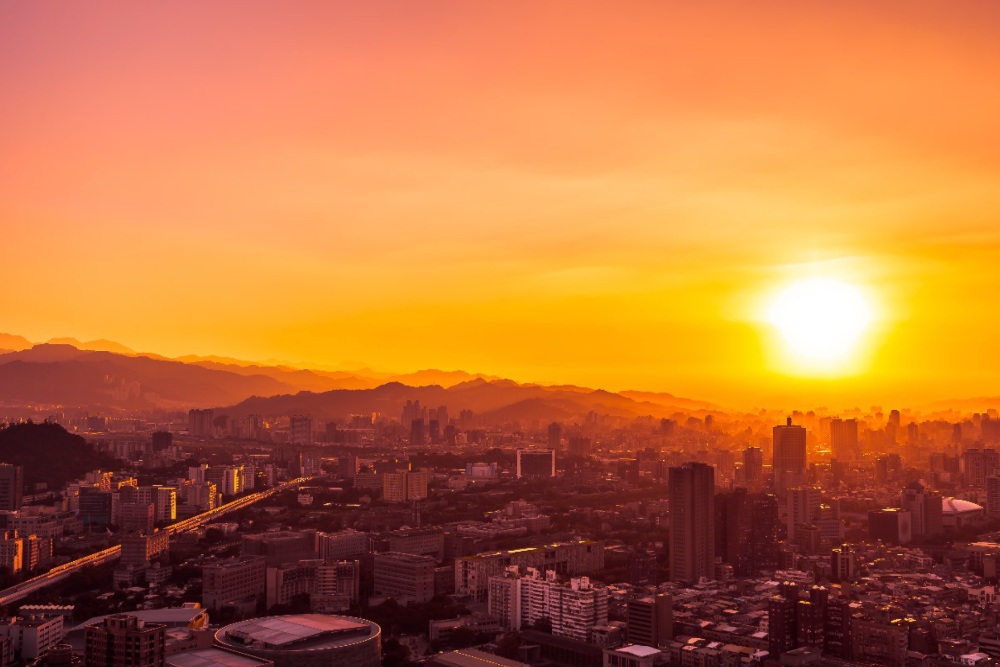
[789,456]
[844,440]
[753,468]
[11,551]
[300,430]
[555,436]
[343,544]
[472,573]
[347,466]
[162,440]
[228,479]
[201,423]
[979,465]
[746,531]
[692,522]
[536,463]
[842,564]
[416,432]
[121,640]
[11,487]
[925,510]
[95,506]
[650,620]
[404,486]
[803,508]
[993,496]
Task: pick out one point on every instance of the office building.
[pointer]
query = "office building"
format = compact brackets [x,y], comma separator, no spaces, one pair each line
[228,480]
[300,430]
[555,436]
[139,549]
[201,423]
[121,640]
[536,463]
[892,525]
[993,496]
[418,541]
[343,544]
[753,468]
[789,456]
[692,522]
[238,582]
[803,508]
[650,620]
[844,440]
[330,585]
[979,465]
[404,577]
[925,511]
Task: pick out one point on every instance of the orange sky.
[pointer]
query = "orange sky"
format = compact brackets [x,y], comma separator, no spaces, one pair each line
[589,192]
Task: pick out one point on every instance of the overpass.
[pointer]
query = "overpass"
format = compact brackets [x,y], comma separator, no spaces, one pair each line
[60,572]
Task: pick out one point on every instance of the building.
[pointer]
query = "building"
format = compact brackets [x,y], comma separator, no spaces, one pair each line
[32,636]
[139,549]
[803,508]
[925,510]
[789,456]
[306,640]
[343,544]
[633,655]
[136,517]
[228,480]
[300,430]
[979,465]
[843,563]
[329,584]
[419,541]
[58,655]
[573,608]
[746,531]
[472,573]
[892,525]
[405,486]
[844,440]
[122,640]
[95,506]
[238,582]
[957,514]
[692,522]
[11,487]
[278,547]
[753,468]
[11,551]
[470,657]
[536,463]
[201,423]
[405,577]
[555,436]
[650,620]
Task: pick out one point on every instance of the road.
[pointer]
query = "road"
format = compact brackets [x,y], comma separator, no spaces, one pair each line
[60,572]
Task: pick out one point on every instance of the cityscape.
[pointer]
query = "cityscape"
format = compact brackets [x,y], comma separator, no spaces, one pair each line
[531,334]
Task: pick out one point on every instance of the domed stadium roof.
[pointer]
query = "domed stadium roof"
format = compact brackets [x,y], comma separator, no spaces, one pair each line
[953,505]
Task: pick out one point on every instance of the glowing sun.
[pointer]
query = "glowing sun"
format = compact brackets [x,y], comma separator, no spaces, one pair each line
[821,321]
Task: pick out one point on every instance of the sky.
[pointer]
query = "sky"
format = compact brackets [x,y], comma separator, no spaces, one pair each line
[606,194]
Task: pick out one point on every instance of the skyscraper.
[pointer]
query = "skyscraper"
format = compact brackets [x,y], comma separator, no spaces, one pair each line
[692,522]
[753,468]
[300,430]
[789,460]
[844,440]
[925,510]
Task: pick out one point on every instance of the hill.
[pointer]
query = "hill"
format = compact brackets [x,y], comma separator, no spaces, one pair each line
[48,453]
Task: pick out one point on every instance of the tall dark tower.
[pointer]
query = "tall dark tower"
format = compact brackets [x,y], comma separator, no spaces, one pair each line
[789,456]
[692,522]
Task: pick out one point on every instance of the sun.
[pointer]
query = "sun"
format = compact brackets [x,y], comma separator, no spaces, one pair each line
[821,322]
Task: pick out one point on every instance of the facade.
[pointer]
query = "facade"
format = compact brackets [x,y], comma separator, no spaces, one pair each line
[228,480]
[892,524]
[844,440]
[330,584]
[574,608]
[280,547]
[32,636]
[239,582]
[11,551]
[692,522]
[122,640]
[300,431]
[140,549]
[650,620]
[406,577]
[536,463]
[306,640]
[789,456]
[343,544]
[472,573]
[403,486]
[925,511]
[420,541]
[11,487]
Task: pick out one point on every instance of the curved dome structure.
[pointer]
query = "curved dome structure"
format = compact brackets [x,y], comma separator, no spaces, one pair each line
[306,640]
[957,513]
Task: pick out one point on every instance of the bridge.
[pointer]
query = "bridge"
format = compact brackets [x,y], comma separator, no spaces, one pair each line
[60,572]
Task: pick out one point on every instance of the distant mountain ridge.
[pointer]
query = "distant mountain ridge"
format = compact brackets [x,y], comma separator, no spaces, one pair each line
[62,374]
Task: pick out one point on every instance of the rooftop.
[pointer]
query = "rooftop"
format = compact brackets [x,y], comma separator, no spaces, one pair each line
[297,632]
[213,657]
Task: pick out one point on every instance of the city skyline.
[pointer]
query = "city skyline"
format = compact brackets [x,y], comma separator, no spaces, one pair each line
[561,196]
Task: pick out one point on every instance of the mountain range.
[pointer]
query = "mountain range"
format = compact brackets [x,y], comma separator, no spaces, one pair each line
[106,376]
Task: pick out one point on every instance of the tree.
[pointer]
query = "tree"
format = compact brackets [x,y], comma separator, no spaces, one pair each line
[508,645]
